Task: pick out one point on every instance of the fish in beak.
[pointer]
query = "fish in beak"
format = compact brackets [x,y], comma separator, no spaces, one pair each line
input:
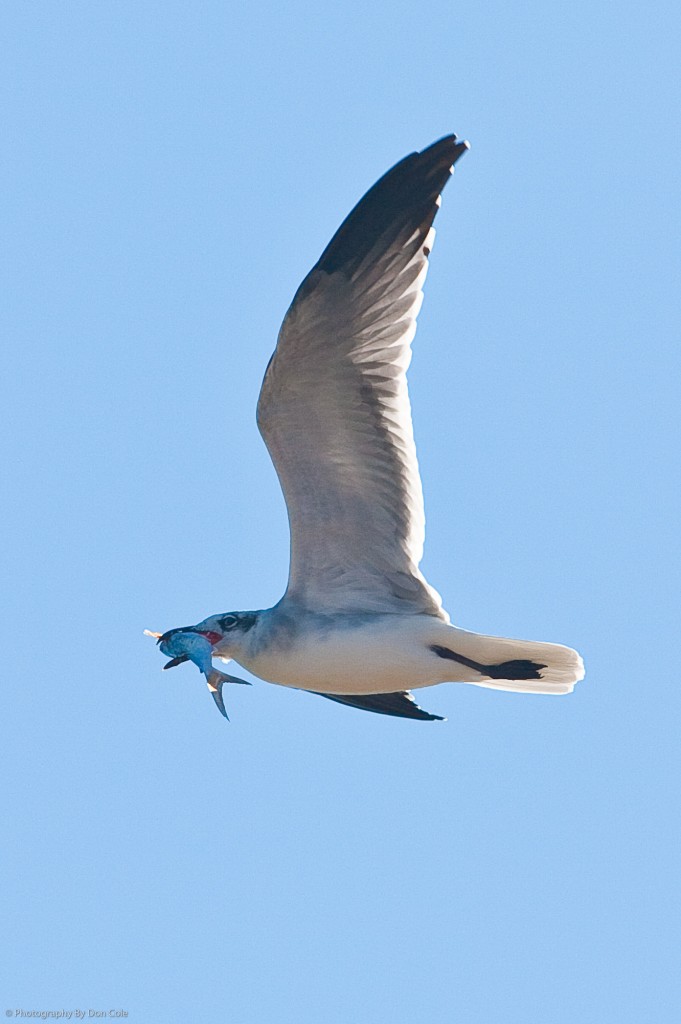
[185,644]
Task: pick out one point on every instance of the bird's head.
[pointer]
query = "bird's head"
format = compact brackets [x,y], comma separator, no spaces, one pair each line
[223,632]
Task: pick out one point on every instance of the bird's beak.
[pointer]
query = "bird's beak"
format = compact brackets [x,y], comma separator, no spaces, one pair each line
[159,638]
[176,661]
[162,637]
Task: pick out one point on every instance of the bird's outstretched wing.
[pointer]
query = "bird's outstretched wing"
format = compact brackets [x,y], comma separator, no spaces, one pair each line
[334,409]
[399,705]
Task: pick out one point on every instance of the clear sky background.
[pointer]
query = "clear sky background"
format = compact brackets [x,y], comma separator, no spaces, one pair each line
[170,173]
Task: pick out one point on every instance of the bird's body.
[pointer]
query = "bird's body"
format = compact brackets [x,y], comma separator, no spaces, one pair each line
[358,622]
[356,653]
[349,653]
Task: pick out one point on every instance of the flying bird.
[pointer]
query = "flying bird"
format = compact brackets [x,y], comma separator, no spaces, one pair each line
[359,624]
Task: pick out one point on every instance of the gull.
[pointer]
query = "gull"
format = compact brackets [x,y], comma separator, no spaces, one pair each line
[358,623]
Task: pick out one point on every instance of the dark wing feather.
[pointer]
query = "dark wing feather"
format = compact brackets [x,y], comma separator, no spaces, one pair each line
[402,204]
[400,705]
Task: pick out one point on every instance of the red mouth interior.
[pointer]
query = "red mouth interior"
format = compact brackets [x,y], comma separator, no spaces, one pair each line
[212,638]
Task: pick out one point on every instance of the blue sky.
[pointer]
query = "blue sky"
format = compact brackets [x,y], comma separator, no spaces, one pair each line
[170,173]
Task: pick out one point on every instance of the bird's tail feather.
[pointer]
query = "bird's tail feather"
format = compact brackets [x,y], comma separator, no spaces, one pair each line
[525,666]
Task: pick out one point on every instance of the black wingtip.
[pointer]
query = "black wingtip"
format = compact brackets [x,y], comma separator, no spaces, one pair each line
[398,705]
[449,146]
[403,201]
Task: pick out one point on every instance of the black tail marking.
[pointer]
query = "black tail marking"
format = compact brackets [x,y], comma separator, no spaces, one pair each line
[520,669]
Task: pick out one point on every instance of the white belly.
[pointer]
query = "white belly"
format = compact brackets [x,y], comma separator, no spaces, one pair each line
[385,653]
[391,653]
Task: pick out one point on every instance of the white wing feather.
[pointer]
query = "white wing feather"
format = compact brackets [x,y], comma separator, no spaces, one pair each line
[334,408]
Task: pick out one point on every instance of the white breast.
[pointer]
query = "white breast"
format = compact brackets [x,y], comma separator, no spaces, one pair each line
[385,654]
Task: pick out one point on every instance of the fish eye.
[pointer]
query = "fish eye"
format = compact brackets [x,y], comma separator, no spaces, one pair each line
[228,621]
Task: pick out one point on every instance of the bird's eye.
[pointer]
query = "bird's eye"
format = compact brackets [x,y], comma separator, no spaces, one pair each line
[228,621]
